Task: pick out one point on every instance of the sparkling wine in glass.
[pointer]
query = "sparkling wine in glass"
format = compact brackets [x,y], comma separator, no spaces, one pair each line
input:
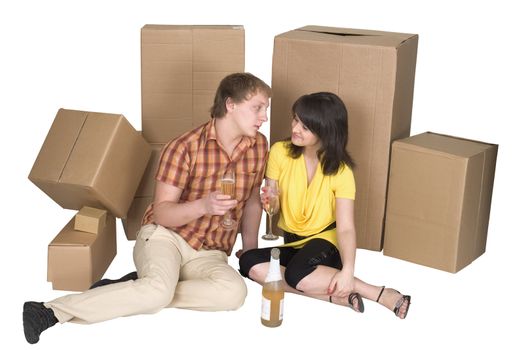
[227,187]
[271,205]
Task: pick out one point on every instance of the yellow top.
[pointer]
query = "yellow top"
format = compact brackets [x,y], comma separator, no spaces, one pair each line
[306,210]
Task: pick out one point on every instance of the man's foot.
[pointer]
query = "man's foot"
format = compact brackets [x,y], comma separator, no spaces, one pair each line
[130,276]
[395,301]
[37,318]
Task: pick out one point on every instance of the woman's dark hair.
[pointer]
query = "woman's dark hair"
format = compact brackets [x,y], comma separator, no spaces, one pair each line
[324,114]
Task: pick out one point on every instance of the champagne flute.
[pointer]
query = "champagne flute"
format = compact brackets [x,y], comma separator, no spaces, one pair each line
[271,205]
[227,187]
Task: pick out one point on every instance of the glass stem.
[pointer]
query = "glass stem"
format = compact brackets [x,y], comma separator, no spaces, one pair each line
[270,225]
[227,218]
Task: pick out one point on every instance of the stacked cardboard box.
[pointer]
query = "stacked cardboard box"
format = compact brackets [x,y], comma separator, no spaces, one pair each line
[439,200]
[76,258]
[182,66]
[144,195]
[373,72]
[91,159]
[95,160]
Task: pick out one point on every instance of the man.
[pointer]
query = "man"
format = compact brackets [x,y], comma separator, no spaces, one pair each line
[181,250]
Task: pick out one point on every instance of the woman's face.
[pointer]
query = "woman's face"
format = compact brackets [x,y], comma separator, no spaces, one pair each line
[301,136]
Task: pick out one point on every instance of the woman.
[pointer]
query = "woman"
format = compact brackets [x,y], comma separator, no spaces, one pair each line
[317,192]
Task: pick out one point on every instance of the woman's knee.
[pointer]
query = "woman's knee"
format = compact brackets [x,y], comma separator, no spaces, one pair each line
[251,265]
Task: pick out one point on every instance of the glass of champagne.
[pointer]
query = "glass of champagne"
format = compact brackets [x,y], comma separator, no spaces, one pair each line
[227,187]
[271,205]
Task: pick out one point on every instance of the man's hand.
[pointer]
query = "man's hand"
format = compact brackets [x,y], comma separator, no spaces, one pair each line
[218,204]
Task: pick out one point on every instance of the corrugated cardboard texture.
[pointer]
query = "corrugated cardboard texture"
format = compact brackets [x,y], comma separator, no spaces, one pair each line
[133,220]
[439,200]
[90,220]
[373,72]
[144,195]
[181,69]
[77,259]
[146,188]
[91,159]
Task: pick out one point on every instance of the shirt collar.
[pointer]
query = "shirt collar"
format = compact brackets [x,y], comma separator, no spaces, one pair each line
[211,134]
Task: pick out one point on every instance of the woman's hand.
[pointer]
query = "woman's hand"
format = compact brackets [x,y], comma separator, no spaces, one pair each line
[342,284]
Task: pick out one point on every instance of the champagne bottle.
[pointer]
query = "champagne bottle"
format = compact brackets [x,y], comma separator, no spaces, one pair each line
[273,293]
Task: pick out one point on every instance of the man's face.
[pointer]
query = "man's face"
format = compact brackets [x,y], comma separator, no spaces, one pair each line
[249,114]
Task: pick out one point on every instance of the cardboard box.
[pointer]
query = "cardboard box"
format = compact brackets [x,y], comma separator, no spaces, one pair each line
[146,188]
[90,220]
[133,221]
[77,259]
[91,159]
[182,66]
[439,200]
[144,195]
[373,73]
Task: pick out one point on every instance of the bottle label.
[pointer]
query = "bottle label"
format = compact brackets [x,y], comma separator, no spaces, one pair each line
[266,309]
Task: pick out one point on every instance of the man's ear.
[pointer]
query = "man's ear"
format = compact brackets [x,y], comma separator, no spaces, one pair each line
[230,104]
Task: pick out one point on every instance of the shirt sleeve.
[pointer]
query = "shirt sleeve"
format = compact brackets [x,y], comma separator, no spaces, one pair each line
[276,154]
[344,184]
[174,165]
[262,149]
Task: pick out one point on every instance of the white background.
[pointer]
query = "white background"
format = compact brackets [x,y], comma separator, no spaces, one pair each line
[469,83]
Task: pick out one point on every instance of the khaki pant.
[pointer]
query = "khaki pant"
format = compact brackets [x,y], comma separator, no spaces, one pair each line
[171,274]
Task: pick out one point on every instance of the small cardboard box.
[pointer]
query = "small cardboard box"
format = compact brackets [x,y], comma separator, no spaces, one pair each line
[77,259]
[439,200]
[133,220]
[373,73]
[182,66]
[90,220]
[91,159]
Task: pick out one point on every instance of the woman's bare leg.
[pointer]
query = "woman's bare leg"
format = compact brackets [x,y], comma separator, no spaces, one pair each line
[315,285]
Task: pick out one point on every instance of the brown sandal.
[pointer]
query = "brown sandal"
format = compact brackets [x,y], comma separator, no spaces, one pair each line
[399,302]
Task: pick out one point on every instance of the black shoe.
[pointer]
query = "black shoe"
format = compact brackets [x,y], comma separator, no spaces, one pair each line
[37,318]
[130,276]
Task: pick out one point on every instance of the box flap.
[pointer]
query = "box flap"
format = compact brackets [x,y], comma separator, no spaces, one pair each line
[445,144]
[349,36]
[58,145]
[84,161]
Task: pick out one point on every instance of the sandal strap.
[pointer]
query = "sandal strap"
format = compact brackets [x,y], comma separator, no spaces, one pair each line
[380,294]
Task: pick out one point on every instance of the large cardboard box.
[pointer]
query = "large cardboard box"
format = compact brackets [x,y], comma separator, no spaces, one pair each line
[373,72]
[133,221]
[182,66]
[144,195]
[91,159]
[439,200]
[77,259]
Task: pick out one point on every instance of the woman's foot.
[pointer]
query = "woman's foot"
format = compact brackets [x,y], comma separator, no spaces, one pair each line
[354,301]
[395,301]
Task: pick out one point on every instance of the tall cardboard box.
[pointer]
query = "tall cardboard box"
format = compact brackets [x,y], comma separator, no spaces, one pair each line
[439,200]
[77,259]
[374,73]
[144,195]
[91,159]
[182,66]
